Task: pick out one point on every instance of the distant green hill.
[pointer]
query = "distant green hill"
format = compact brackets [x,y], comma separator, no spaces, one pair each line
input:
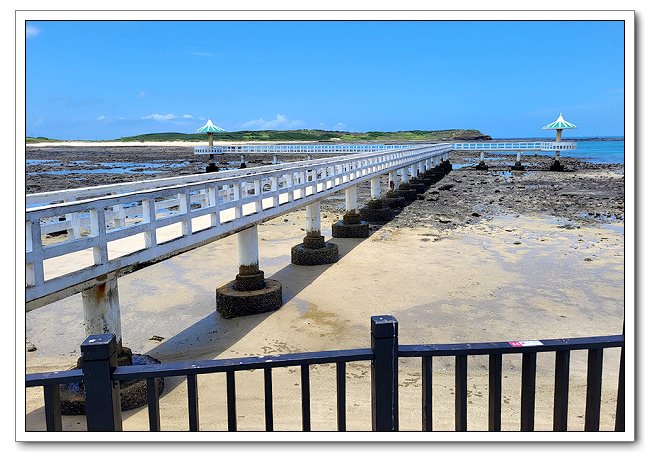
[317,135]
[306,135]
[38,139]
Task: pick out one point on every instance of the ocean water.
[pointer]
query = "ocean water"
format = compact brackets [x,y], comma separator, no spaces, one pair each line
[596,151]
[599,152]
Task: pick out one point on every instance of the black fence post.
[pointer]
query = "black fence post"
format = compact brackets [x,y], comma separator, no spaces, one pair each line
[383,373]
[99,360]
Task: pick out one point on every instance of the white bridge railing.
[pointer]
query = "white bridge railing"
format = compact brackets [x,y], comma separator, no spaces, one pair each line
[197,210]
[117,214]
[517,146]
[298,148]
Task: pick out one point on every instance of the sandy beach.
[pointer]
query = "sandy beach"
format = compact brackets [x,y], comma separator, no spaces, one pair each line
[482,256]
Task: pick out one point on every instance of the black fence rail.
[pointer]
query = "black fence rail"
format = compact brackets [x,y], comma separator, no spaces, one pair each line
[101,377]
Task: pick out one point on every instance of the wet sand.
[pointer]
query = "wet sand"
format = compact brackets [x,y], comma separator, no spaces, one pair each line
[540,258]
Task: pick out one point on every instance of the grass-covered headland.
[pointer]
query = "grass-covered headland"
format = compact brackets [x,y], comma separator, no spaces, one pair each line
[305,135]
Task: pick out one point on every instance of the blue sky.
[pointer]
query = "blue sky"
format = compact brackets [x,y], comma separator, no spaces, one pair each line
[104,80]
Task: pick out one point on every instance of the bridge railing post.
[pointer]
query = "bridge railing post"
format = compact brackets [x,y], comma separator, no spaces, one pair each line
[383,373]
[99,360]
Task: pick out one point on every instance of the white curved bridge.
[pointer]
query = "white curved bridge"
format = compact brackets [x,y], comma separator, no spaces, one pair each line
[117,229]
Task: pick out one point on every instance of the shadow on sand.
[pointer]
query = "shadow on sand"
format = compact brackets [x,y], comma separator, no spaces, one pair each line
[214,335]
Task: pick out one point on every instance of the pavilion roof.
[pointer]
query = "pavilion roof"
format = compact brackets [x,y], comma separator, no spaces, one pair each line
[559,124]
[210,127]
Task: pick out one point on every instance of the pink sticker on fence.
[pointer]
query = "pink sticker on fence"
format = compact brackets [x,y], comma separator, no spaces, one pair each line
[524,343]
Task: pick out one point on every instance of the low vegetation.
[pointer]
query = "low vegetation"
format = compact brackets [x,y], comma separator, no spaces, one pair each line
[306,135]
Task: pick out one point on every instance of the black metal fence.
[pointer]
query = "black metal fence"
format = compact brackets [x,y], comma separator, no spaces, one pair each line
[101,375]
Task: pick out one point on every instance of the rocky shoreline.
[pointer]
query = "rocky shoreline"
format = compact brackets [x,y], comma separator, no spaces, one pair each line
[584,193]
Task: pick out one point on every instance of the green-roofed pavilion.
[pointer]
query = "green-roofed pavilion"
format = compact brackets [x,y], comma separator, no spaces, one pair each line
[210,128]
[559,125]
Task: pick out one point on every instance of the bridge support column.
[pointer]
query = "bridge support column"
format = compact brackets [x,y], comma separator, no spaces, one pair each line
[393,200]
[212,166]
[101,307]
[375,211]
[250,292]
[416,182]
[518,165]
[404,189]
[446,165]
[275,159]
[481,164]
[351,225]
[242,161]
[314,250]
[436,173]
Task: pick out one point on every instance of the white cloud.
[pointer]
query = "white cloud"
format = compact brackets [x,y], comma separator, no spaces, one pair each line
[101,117]
[280,122]
[31,31]
[204,53]
[164,117]
[339,126]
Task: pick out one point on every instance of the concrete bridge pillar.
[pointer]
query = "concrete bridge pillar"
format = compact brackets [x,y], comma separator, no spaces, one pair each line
[275,159]
[242,161]
[101,306]
[351,225]
[375,211]
[393,199]
[404,189]
[403,176]
[392,180]
[446,165]
[416,181]
[518,165]
[375,188]
[481,164]
[250,292]
[314,250]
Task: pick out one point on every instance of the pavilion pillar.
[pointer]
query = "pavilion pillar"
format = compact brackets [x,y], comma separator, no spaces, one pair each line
[250,292]
[556,165]
[212,166]
[314,250]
